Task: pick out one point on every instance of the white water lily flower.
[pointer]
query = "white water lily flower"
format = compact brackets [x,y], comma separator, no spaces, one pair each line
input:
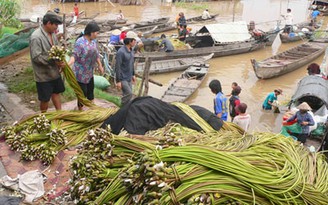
[162,184]
[128,180]
[91,132]
[159,147]
[81,187]
[159,166]
[152,183]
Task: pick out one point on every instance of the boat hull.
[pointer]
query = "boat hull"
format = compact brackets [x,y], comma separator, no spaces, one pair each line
[287,61]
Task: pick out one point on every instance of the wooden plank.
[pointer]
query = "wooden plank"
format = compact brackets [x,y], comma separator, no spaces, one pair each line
[13,56]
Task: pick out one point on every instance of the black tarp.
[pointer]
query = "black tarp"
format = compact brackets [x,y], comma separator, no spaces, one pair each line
[313,90]
[147,113]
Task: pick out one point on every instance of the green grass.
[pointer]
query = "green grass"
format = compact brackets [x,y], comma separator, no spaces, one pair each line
[9,30]
[24,84]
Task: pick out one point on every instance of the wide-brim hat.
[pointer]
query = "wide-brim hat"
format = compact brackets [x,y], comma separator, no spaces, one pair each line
[131,34]
[124,28]
[278,90]
[304,106]
[116,32]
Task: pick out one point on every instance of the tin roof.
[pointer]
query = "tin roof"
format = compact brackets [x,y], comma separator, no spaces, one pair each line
[227,32]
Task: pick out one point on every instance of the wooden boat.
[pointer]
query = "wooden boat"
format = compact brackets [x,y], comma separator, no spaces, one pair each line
[287,61]
[173,65]
[19,53]
[217,50]
[185,85]
[287,38]
[314,90]
[200,19]
[152,22]
[146,31]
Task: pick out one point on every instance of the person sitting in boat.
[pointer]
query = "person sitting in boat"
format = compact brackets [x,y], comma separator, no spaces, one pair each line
[114,38]
[124,30]
[288,21]
[270,99]
[206,14]
[257,34]
[139,44]
[182,19]
[220,100]
[304,121]
[183,32]
[314,14]
[166,44]
[314,69]
[120,15]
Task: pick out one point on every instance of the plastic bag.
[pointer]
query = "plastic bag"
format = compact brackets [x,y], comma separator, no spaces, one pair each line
[101,82]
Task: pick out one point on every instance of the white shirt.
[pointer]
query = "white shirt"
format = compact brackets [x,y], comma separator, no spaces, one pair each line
[206,15]
[242,121]
[289,18]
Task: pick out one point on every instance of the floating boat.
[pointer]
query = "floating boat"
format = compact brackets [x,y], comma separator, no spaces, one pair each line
[21,52]
[314,91]
[146,31]
[185,85]
[173,65]
[299,34]
[287,61]
[197,19]
[152,22]
[165,27]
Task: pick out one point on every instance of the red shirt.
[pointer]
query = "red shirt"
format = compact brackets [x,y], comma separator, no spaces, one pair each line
[76,10]
[123,35]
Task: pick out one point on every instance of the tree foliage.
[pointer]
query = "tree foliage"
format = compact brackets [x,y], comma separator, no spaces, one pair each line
[9,9]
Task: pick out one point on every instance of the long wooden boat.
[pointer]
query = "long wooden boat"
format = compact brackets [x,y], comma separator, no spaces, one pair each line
[217,50]
[152,22]
[314,90]
[146,31]
[286,38]
[185,85]
[287,61]
[197,19]
[173,65]
[19,53]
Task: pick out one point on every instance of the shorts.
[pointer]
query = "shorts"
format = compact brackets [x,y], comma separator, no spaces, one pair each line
[46,89]
[87,89]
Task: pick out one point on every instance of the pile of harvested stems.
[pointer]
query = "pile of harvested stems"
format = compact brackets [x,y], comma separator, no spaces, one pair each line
[41,136]
[176,165]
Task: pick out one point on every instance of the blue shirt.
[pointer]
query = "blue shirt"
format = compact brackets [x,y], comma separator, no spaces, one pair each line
[270,98]
[114,39]
[220,106]
[305,117]
[124,67]
[315,14]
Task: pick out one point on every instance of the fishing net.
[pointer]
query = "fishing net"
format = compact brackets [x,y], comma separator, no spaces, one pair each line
[11,43]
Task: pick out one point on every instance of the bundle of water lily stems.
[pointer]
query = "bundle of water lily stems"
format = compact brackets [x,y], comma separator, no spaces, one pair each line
[176,165]
[41,136]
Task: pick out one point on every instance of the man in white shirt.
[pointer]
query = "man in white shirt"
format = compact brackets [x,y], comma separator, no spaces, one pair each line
[206,15]
[288,21]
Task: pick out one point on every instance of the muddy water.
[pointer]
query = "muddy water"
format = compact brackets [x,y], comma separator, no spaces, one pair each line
[227,69]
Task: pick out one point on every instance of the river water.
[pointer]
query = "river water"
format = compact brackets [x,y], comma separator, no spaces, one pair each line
[228,69]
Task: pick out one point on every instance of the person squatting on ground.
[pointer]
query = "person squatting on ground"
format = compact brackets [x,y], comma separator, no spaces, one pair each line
[243,120]
[234,101]
[49,83]
[220,101]
[166,44]
[268,102]
[124,67]
[304,120]
[85,57]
